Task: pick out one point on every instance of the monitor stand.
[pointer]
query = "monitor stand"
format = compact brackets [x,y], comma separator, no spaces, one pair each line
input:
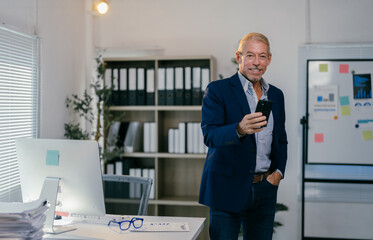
[49,192]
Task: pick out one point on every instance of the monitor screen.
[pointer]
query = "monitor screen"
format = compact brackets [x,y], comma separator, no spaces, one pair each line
[75,162]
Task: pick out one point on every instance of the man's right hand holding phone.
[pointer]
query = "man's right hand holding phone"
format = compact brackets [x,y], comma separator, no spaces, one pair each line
[251,123]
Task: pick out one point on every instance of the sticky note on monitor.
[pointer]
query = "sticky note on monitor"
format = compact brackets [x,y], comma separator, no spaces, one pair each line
[52,158]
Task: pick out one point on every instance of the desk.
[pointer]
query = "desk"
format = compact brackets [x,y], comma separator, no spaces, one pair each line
[103,232]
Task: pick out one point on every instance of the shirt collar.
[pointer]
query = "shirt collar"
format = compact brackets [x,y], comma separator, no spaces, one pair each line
[248,86]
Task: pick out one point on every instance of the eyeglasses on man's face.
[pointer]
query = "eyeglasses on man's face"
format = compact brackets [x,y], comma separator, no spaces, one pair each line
[126,224]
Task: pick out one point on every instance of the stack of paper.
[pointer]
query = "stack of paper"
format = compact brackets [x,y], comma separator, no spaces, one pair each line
[22,220]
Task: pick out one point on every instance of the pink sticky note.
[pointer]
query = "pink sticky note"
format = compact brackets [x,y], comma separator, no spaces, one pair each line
[343,68]
[319,137]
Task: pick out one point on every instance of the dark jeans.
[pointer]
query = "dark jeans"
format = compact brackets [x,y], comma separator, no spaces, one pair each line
[256,219]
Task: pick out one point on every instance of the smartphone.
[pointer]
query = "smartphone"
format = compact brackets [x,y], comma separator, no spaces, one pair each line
[264,106]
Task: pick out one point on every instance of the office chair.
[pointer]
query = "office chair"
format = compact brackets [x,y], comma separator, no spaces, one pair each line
[144,181]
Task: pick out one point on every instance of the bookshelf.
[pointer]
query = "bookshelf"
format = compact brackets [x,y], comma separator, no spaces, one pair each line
[177,175]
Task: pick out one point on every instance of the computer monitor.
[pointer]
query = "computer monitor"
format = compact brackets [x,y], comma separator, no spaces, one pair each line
[75,164]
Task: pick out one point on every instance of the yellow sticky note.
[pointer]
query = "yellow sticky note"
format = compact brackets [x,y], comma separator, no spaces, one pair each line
[367,135]
[345,110]
[323,67]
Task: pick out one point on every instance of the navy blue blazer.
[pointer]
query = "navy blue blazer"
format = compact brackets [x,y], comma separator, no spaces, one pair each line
[230,163]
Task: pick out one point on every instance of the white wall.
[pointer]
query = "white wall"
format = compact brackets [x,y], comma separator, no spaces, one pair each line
[210,27]
[61,27]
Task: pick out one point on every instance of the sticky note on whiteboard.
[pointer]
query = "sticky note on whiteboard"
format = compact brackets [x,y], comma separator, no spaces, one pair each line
[319,137]
[344,100]
[345,110]
[367,135]
[323,67]
[52,158]
[343,68]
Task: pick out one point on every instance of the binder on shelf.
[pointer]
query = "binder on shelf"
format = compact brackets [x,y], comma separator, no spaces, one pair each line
[123,87]
[110,168]
[112,136]
[122,189]
[145,172]
[196,138]
[107,79]
[171,140]
[170,89]
[140,86]
[132,86]
[179,86]
[109,186]
[177,140]
[204,82]
[188,86]
[118,187]
[122,134]
[196,86]
[138,173]
[182,137]
[190,131]
[146,137]
[161,86]
[133,140]
[150,98]
[153,137]
[132,188]
[149,137]
[115,88]
[152,176]
[201,144]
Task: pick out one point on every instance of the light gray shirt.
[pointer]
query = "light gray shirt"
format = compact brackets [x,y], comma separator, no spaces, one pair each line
[263,138]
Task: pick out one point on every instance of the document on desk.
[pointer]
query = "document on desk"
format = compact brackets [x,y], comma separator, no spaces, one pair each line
[22,220]
[163,227]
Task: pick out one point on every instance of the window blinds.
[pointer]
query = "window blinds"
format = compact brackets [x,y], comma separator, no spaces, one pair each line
[19,102]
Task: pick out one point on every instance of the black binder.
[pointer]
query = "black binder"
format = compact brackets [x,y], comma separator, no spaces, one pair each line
[188,86]
[204,81]
[170,86]
[161,86]
[123,87]
[140,86]
[179,86]
[150,98]
[132,86]
[196,86]
[115,88]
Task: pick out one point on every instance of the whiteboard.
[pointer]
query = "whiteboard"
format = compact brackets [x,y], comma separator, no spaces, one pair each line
[340,111]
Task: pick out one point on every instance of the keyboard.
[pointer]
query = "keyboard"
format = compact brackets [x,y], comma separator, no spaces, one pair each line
[96,219]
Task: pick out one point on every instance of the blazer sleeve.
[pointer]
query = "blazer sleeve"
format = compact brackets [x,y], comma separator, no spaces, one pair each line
[218,124]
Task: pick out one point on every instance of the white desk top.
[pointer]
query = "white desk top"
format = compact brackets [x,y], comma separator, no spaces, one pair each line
[103,232]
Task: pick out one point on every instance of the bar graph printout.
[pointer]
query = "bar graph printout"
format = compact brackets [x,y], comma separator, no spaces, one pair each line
[362,86]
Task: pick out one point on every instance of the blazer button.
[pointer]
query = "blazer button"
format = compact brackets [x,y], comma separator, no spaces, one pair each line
[253,150]
[251,171]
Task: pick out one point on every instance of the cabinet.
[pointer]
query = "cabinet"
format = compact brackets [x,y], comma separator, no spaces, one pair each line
[177,175]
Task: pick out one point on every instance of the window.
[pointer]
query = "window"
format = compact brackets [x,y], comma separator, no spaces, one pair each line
[19,103]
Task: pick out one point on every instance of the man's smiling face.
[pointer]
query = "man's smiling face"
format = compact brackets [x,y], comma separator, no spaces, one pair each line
[253,60]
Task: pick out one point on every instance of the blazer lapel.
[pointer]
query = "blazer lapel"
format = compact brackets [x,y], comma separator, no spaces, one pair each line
[239,93]
[241,98]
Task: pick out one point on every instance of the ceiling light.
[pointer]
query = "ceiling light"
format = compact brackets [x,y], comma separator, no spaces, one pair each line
[102,7]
